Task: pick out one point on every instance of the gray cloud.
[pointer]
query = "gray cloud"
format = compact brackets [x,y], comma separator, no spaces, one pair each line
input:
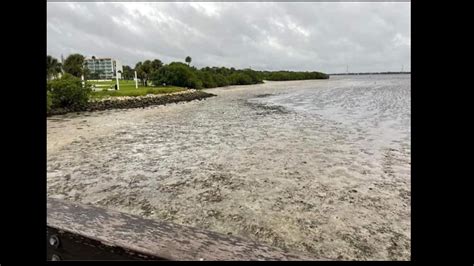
[295,36]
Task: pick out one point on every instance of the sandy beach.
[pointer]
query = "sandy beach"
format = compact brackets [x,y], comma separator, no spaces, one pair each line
[320,166]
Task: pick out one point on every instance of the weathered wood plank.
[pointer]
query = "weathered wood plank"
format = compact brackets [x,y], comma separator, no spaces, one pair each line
[63,245]
[156,238]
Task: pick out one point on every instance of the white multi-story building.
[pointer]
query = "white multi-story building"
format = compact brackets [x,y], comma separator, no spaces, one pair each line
[106,67]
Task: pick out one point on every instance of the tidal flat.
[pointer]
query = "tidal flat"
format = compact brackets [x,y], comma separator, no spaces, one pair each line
[317,166]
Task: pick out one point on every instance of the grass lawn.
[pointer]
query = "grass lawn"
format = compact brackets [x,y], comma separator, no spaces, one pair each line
[127,88]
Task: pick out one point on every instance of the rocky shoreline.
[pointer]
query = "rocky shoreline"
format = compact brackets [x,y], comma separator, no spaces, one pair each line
[135,102]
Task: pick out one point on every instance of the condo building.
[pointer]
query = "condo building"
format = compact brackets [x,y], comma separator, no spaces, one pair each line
[106,68]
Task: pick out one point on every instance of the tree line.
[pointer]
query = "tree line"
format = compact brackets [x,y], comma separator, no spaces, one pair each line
[178,73]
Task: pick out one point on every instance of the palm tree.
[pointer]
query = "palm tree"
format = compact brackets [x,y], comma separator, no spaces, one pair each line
[188,60]
[53,67]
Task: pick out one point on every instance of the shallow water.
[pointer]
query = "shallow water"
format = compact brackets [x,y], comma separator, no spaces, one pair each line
[374,109]
[317,166]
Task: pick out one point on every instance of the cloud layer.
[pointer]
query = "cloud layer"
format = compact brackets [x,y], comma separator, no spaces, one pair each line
[265,36]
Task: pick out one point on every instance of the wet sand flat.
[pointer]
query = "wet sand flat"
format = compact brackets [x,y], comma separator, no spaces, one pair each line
[318,166]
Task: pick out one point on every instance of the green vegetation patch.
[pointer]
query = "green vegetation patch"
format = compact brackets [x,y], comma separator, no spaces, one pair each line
[67,92]
[131,91]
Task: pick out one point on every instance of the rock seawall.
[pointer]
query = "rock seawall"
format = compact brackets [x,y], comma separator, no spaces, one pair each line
[135,102]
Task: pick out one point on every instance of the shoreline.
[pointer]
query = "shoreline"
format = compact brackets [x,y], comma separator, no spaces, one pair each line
[129,102]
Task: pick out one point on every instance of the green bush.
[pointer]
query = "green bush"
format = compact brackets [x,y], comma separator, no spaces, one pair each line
[179,74]
[207,79]
[220,80]
[240,79]
[67,92]
[49,101]
[289,75]
[176,74]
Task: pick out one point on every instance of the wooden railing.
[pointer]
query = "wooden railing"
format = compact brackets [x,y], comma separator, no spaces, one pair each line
[83,232]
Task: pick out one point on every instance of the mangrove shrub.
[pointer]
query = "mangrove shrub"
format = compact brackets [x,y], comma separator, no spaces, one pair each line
[67,92]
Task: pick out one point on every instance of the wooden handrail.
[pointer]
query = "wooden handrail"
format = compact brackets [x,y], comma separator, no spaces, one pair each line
[84,232]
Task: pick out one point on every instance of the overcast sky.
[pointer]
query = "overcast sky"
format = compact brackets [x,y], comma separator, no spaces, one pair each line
[264,36]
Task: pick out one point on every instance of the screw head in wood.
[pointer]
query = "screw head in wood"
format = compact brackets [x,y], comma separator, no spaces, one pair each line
[54,241]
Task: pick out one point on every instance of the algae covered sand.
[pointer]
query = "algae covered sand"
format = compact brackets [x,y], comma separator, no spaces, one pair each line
[318,166]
